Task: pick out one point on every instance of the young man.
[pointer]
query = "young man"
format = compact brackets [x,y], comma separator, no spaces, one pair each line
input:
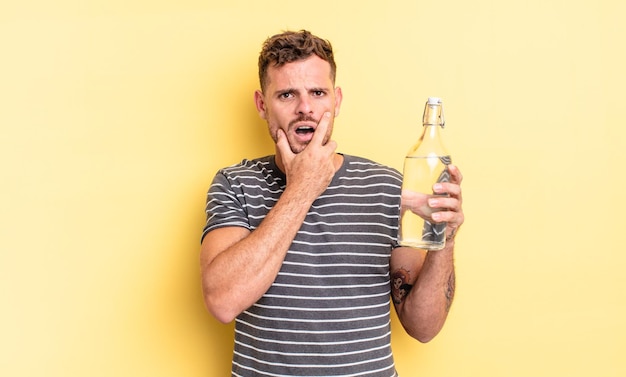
[300,247]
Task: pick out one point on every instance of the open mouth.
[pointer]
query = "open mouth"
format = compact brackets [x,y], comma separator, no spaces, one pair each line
[303,130]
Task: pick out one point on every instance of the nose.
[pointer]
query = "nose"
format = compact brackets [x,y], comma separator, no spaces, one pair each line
[304,106]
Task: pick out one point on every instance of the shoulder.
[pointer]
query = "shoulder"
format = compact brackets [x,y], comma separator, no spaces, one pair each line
[258,178]
[364,166]
[249,166]
[261,169]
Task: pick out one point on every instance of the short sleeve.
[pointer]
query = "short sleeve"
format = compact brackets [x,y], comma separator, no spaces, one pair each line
[224,205]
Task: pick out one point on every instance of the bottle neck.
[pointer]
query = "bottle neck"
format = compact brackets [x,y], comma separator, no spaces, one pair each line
[432,131]
[433,122]
[430,142]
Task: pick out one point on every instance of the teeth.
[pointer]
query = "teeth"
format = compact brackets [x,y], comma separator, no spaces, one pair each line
[304,129]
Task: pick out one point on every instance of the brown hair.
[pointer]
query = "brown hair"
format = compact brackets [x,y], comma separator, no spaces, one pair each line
[291,46]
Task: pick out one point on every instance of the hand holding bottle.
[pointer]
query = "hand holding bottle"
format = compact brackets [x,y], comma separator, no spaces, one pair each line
[426,206]
[448,208]
[417,203]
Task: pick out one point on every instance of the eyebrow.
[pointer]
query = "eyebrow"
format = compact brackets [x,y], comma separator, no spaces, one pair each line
[320,89]
[293,90]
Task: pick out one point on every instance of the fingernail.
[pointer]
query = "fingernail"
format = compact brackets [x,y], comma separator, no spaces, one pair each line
[438,187]
[436,216]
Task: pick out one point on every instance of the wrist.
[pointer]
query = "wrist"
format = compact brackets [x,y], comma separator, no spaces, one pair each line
[448,248]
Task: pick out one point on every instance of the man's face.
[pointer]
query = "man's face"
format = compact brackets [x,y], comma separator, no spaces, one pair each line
[295,97]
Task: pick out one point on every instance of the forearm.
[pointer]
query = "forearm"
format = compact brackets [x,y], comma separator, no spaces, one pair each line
[429,277]
[425,309]
[234,278]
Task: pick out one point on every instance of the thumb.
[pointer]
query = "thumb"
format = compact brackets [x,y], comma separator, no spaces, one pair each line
[282,146]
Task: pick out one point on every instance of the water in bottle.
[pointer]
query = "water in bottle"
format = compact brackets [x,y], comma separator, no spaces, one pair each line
[425,164]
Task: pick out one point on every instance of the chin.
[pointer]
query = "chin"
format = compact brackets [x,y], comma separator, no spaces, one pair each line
[297,149]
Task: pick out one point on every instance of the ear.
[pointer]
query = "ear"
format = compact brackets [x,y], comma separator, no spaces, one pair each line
[260,103]
[338,98]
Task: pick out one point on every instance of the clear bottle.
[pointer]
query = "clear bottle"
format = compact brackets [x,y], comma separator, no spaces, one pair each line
[425,164]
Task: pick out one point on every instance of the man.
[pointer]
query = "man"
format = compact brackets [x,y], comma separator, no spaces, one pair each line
[299,248]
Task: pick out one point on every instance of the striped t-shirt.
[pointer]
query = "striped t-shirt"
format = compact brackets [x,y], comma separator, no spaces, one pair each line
[328,311]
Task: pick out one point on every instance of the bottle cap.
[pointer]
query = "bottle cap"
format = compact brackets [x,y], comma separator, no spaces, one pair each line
[433,112]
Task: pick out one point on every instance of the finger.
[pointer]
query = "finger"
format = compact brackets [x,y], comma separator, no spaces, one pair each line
[455,174]
[322,127]
[453,218]
[283,146]
[449,188]
[442,202]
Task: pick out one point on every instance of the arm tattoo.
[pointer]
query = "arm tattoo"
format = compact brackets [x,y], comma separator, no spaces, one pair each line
[399,285]
[450,290]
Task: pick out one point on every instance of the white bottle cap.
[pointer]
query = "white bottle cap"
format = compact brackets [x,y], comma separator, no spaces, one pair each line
[434,100]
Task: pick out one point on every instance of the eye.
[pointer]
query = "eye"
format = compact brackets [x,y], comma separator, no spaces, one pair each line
[318,93]
[285,95]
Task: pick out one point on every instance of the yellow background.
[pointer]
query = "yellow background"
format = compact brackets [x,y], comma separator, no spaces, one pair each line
[115,115]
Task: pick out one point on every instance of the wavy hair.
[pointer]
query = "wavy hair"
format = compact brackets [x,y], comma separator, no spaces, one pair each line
[291,46]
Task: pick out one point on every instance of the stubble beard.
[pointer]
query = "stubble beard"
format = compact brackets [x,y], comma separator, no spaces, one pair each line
[299,147]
